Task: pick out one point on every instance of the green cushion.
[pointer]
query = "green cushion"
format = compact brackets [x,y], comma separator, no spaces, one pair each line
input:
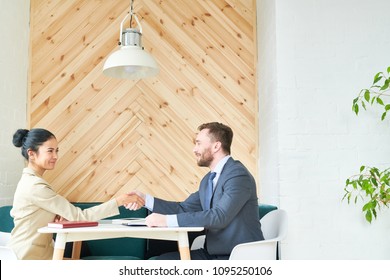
[265,208]
[6,221]
[111,258]
[125,246]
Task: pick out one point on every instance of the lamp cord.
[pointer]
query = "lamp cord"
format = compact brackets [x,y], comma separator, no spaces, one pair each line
[131,12]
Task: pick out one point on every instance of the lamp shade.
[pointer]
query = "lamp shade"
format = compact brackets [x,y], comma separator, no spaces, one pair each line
[130,62]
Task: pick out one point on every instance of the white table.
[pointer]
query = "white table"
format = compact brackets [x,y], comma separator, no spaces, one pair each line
[105,231]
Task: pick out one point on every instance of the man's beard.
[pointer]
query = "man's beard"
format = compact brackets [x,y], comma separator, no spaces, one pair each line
[205,159]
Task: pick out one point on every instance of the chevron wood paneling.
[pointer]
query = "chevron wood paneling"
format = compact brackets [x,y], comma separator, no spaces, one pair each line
[117,135]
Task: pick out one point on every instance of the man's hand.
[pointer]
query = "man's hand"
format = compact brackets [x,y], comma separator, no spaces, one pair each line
[156,220]
[132,198]
[134,206]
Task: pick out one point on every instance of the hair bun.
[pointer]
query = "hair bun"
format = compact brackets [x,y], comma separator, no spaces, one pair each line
[19,137]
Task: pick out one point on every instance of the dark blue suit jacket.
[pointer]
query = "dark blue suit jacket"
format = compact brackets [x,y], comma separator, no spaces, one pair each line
[234,214]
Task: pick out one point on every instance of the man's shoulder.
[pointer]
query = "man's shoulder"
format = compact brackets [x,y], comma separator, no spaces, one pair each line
[233,165]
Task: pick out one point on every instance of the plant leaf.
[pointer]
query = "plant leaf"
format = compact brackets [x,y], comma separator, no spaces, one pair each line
[355,108]
[367,206]
[377,77]
[369,216]
[379,101]
[374,212]
[364,105]
[385,85]
[367,95]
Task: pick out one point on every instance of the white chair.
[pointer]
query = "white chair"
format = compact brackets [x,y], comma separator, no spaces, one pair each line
[6,253]
[274,227]
[4,238]
[198,242]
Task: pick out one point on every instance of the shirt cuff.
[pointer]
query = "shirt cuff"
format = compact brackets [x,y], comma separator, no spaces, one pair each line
[149,202]
[172,221]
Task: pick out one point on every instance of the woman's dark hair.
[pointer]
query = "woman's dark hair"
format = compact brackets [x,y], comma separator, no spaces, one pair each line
[31,139]
[219,132]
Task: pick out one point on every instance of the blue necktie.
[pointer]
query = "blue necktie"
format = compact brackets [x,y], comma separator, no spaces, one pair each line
[209,191]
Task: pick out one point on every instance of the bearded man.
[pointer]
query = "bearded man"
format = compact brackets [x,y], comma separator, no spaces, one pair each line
[227,207]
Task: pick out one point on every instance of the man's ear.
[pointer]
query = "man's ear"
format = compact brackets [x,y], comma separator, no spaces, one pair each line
[217,146]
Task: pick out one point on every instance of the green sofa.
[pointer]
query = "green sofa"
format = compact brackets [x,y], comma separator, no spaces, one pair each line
[118,248]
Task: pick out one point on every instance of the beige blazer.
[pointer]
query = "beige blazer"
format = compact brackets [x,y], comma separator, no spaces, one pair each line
[35,204]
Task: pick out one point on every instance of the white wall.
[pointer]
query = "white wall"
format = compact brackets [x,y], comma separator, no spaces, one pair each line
[268,102]
[14,34]
[314,57]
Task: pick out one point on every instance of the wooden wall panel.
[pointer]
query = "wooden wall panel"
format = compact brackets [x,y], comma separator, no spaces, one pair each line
[119,135]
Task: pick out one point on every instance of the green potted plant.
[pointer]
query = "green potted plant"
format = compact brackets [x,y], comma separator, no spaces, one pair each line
[372,185]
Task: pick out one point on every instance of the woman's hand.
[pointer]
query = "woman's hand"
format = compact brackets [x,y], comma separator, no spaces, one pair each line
[132,198]
[134,206]
[58,218]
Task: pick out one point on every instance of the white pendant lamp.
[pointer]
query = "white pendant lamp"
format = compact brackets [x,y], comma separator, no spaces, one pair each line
[131,61]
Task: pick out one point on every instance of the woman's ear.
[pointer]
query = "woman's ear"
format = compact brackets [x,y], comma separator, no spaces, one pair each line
[30,154]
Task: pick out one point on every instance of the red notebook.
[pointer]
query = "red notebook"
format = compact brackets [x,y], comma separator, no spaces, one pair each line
[71,224]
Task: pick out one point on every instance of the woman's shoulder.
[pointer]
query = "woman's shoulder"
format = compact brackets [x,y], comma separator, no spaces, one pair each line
[29,177]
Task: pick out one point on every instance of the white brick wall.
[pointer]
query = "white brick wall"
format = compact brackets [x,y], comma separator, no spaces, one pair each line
[14,34]
[314,57]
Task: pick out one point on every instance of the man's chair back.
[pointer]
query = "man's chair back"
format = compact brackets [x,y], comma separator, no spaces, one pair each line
[274,227]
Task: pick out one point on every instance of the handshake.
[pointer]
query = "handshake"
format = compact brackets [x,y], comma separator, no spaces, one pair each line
[132,201]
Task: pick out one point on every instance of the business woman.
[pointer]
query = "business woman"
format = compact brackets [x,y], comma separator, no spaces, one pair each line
[36,203]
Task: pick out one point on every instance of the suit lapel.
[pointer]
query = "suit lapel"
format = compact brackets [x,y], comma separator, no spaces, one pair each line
[222,177]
